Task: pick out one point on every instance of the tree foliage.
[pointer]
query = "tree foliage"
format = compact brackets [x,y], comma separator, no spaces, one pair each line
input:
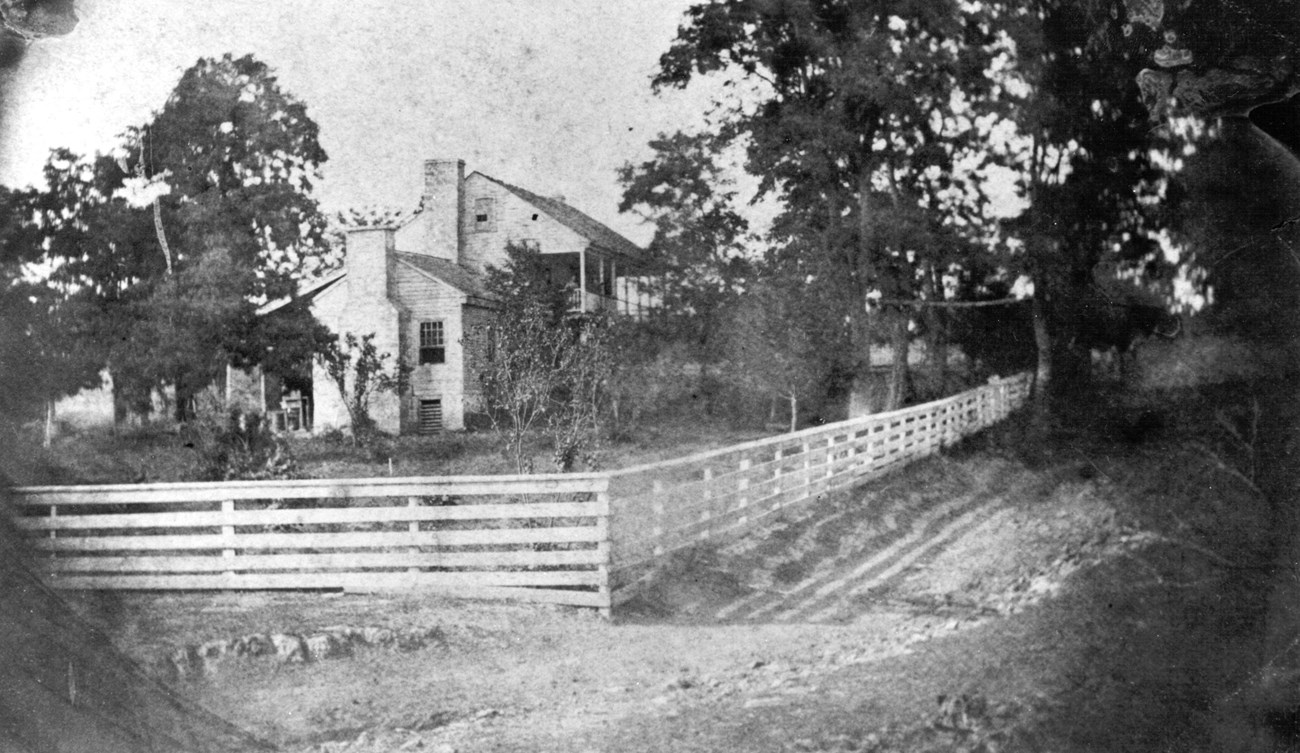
[359,372]
[1099,197]
[538,368]
[168,243]
[697,254]
[769,347]
[40,360]
[870,127]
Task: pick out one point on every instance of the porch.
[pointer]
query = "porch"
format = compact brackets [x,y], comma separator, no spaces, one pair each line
[598,281]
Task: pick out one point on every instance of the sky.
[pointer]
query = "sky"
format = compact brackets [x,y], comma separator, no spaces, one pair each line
[550,95]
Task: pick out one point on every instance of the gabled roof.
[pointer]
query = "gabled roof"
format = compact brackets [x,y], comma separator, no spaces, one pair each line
[459,277]
[598,234]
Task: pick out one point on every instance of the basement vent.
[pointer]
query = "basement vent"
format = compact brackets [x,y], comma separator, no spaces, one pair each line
[430,416]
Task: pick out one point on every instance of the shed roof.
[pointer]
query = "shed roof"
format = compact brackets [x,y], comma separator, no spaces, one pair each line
[458,276]
[308,290]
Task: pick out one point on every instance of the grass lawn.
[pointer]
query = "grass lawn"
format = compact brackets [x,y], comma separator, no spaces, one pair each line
[162,453]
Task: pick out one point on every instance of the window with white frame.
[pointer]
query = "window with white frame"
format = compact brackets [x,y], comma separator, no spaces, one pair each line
[433,343]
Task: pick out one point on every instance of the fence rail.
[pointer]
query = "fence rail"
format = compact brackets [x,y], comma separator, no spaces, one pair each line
[664,507]
[524,537]
[579,539]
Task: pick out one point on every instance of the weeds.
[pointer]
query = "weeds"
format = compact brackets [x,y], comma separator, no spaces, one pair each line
[244,448]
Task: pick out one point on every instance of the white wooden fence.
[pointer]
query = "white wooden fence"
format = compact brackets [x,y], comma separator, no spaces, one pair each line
[664,507]
[569,539]
[541,538]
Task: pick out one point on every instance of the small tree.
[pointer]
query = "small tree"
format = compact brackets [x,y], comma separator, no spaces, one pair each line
[360,371]
[538,367]
[769,350]
[584,370]
[518,371]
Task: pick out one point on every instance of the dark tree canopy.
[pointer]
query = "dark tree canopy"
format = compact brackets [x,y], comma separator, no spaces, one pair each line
[170,242]
[697,253]
[867,116]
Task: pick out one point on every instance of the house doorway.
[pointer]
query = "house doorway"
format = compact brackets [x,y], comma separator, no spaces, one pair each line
[295,403]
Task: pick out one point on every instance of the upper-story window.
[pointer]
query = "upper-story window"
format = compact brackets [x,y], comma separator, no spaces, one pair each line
[485,220]
[433,343]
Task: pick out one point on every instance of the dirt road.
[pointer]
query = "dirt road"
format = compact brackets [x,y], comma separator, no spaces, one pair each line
[1059,605]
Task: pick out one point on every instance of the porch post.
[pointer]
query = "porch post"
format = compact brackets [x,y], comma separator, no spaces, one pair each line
[582,280]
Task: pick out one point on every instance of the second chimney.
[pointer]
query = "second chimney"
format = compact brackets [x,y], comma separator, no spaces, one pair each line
[444,207]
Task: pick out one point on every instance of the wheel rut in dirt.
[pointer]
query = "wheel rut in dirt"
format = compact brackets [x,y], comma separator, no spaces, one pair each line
[827,564]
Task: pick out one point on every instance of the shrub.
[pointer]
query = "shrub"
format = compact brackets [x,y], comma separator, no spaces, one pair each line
[244,449]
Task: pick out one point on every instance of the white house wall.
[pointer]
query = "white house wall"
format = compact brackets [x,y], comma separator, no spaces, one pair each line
[513,221]
[426,299]
[337,309]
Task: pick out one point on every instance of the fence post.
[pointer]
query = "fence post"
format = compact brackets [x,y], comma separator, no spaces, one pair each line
[707,513]
[741,485]
[871,444]
[775,495]
[228,533]
[807,467]
[658,508]
[413,527]
[604,550]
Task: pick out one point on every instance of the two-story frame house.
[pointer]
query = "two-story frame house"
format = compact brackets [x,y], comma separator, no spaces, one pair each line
[419,289]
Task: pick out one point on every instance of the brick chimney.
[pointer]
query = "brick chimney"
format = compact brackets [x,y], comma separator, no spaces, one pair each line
[444,208]
[369,263]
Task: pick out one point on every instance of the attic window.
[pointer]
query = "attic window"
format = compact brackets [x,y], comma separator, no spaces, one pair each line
[433,344]
[484,215]
[534,217]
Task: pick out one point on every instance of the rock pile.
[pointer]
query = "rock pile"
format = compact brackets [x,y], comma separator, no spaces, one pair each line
[333,642]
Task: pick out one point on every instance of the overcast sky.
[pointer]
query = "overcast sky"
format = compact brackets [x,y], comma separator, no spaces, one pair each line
[553,96]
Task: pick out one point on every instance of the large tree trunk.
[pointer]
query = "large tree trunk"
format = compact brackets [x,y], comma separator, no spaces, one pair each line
[862,400]
[937,340]
[1040,406]
[1042,342]
[900,344]
[865,396]
[121,409]
[184,408]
